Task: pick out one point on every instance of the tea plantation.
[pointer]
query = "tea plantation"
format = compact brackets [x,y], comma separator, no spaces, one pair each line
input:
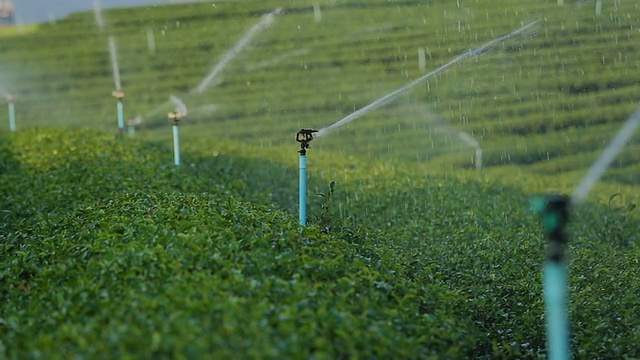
[109,250]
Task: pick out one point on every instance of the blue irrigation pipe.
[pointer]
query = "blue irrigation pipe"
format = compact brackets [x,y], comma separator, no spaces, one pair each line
[120,106]
[175,117]
[555,215]
[176,143]
[119,95]
[302,190]
[12,116]
[304,136]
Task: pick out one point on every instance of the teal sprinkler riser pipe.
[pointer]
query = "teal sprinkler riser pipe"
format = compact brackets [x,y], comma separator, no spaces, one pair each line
[555,296]
[304,136]
[119,95]
[175,117]
[302,198]
[120,106]
[555,215]
[12,116]
[176,144]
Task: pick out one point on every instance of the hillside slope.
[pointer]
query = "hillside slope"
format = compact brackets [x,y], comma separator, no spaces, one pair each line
[107,251]
[108,248]
[534,101]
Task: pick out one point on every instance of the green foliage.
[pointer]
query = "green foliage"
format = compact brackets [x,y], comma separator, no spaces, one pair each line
[325,219]
[160,268]
[619,227]
[107,248]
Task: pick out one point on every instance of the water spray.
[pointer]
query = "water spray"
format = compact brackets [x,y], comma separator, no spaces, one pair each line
[304,136]
[265,22]
[97,10]
[387,98]
[175,117]
[12,111]
[241,44]
[608,155]
[151,41]
[554,211]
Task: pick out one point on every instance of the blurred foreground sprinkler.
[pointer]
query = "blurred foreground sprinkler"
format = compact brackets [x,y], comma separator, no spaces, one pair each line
[554,211]
[304,136]
[555,215]
[119,95]
[12,111]
[175,117]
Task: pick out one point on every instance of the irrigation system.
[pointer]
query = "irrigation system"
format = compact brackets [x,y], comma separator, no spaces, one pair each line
[12,111]
[119,95]
[304,137]
[554,212]
[215,72]
[484,49]
[175,116]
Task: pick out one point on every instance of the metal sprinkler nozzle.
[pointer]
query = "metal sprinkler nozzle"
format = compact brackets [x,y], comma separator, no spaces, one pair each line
[304,137]
[118,94]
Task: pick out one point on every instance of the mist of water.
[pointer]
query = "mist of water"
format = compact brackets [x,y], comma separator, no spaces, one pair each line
[151,41]
[467,139]
[527,30]
[180,106]
[277,59]
[97,10]
[135,121]
[604,161]
[113,51]
[239,46]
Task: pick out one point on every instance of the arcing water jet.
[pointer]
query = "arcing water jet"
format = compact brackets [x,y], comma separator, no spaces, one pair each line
[241,44]
[387,98]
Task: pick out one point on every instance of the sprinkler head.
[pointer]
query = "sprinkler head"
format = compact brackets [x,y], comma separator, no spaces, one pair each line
[554,211]
[175,117]
[118,94]
[9,97]
[304,136]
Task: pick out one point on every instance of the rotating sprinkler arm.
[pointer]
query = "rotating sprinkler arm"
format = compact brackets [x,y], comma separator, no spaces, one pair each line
[304,137]
[118,94]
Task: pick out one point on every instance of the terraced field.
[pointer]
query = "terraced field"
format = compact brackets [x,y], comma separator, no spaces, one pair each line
[562,89]
[415,254]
